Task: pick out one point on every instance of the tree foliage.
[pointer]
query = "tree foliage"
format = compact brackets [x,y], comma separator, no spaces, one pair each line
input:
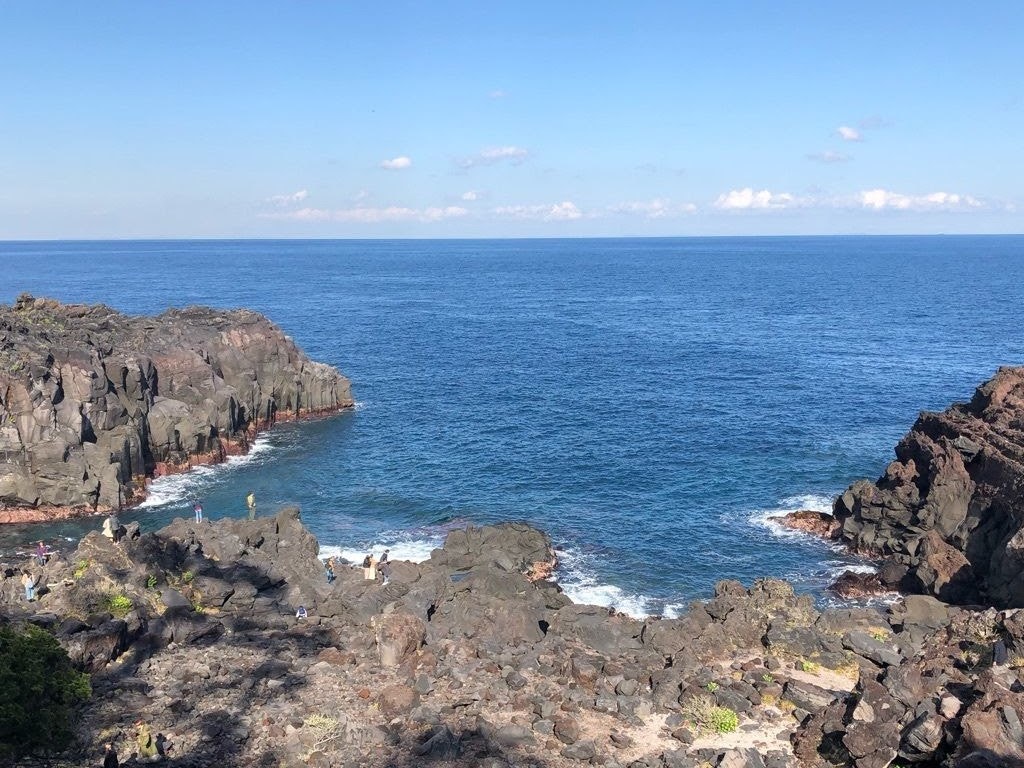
[39,689]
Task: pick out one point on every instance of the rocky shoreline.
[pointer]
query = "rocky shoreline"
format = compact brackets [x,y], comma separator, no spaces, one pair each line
[93,402]
[464,660]
[947,517]
[224,644]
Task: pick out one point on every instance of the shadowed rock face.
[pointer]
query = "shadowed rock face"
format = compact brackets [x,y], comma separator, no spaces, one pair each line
[949,512]
[92,401]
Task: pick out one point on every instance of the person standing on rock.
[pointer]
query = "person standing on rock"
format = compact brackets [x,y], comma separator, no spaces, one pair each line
[198,509]
[29,583]
[250,502]
[385,566]
[110,757]
[329,566]
[146,742]
[370,568]
[41,554]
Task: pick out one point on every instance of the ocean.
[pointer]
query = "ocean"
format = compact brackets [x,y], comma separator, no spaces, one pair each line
[650,403]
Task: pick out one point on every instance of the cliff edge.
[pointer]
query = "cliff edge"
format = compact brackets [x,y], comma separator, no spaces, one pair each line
[92,402]
[948,514]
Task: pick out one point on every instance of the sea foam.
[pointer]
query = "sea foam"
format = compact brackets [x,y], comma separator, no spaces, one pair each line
[176,489]
[411,549]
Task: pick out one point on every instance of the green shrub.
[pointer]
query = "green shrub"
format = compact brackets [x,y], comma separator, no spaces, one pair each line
[711,687]
[119,605]
[38,691]
[151,581]
[723,720]
[80,568]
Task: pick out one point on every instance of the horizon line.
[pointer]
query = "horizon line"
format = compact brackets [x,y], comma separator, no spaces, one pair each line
[229,238]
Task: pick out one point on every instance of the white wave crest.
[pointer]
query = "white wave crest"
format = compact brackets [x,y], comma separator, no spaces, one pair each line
[674,610]
[813,501]
[176,489]
[413,550]
[579,581]
[769,518]
[837,569]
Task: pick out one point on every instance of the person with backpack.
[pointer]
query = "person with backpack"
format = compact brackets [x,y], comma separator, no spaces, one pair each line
[370,568]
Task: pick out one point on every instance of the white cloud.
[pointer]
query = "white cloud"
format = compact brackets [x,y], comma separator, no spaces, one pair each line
[658,208]
[285,200]
[747,199]
[471,195]
[370,215]
[497,94]
[492,155]
[828,156]
[396,163]
[884,199]
[846,133]
[564,211]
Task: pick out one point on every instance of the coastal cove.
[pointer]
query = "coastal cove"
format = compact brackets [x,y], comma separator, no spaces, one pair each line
[648,403]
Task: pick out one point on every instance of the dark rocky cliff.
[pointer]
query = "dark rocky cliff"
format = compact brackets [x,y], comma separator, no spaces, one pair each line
[948,514]
[92,401]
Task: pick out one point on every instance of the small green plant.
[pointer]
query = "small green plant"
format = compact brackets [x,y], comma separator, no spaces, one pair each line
[80,568]
[768,677]
[151,581]
[809,666]
[187,577]
[724,720]
[119,605]
[880,635]
[320,722]
[326,728]
[711,687]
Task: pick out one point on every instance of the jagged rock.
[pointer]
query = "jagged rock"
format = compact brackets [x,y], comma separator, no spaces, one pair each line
[867,646]
[807,696]
[583,751]
[397,699]
[591,624]
[92,401]
[567,729]
[949,509]
[810,521]
[742,758]
[397,636]
[851,585]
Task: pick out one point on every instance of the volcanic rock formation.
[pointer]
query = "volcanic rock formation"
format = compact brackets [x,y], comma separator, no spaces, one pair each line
[948,514]
[226,638]
[92,401]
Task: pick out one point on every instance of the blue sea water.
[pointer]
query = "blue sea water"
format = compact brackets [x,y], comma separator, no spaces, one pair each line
[648,402]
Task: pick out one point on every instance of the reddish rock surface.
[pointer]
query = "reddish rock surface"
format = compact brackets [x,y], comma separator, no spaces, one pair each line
[810,521]
[851,585]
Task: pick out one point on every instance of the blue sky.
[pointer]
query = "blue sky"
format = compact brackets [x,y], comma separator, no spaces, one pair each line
[445,119]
